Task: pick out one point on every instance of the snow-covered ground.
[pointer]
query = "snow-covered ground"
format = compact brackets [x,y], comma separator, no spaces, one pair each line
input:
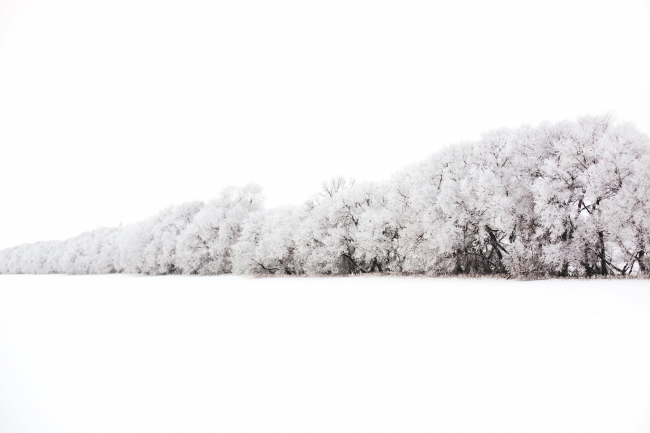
[140,354]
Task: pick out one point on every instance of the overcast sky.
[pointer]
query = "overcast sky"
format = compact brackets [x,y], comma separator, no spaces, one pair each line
[113,110]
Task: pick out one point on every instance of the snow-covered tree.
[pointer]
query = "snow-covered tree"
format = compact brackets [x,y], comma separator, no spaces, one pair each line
[267,245]
[205,245]
[161,253]
[563,199]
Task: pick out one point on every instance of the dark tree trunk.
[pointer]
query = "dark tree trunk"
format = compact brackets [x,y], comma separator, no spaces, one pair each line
[601,253]
[642,267]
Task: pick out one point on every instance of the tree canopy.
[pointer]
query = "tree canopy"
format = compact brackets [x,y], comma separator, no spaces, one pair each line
[563,199]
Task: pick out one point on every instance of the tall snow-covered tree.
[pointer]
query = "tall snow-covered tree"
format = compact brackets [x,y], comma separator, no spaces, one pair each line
[205,245]
[562,199]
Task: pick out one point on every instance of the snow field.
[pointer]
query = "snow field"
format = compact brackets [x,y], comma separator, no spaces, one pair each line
[119,353]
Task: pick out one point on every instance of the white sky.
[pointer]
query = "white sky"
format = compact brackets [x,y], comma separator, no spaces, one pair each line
[112,110]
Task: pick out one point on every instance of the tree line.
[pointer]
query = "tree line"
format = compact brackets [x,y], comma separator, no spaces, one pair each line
[558,200]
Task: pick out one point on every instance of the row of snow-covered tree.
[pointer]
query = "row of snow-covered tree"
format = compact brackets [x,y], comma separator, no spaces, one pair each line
[564,199]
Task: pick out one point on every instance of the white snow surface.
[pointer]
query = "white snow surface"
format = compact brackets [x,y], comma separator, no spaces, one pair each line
[121,353]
